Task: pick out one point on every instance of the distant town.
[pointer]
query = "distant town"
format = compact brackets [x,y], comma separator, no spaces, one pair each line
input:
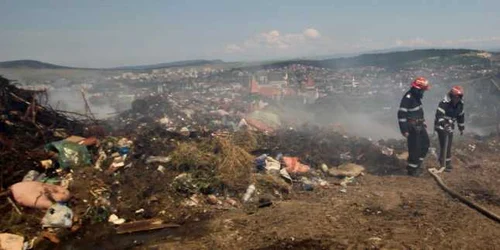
[303,83]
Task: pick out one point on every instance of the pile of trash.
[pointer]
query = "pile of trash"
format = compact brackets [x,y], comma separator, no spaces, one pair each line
[26,126]
[38,153]
[317,146]
[171,160]
[61,174]
[184,112]
[199,112]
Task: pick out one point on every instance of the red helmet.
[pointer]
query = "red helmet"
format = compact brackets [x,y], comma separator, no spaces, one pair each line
[421,83]
[457,90]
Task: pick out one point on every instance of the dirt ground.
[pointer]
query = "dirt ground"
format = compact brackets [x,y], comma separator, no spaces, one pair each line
[382,209]
[376,212]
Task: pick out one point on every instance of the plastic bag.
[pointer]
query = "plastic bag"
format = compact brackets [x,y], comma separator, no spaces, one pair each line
[58,216]
[70,154]
[260,162]
[32,175]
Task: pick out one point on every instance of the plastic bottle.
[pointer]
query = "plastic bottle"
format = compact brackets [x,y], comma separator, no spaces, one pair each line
[249,193]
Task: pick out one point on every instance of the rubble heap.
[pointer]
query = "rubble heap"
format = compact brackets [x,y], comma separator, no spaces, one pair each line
[207,110]
[26,126]
[166,164]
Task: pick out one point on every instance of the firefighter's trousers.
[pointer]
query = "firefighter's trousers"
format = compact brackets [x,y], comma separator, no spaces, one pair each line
[442,138]
[418,145]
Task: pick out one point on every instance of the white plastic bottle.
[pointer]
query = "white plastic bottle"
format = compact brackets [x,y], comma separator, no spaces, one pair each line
[249,193]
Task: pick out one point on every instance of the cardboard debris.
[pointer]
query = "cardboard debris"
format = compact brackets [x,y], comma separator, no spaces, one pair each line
[143,225]
[346,170]
[403,156]
[11,241]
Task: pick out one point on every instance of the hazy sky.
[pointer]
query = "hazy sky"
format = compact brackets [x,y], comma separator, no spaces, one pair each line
[105,33]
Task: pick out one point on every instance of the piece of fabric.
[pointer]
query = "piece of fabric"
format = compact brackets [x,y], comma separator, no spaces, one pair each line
[294,166]
[38,195]
[272,164]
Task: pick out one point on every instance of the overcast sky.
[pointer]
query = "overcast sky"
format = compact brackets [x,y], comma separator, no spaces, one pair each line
[106,33]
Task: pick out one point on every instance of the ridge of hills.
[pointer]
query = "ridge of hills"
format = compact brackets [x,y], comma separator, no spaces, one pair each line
[386,59]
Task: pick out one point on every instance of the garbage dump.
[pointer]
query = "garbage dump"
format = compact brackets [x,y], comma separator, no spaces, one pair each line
[169,161]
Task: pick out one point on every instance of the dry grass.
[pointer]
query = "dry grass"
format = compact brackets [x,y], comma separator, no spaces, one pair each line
[234,165]
[245,139]
[271,182]
[190,155]
[216,161]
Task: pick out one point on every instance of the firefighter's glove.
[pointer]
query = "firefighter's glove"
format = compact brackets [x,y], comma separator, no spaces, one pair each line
[447,128]
[444,124]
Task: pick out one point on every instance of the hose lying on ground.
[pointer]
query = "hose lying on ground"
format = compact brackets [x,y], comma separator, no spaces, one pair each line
[469,203]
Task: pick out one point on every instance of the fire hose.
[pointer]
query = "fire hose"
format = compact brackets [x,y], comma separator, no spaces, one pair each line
[445,149]
[434,172]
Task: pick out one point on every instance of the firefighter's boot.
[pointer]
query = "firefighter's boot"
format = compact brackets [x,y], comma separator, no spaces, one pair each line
[415,172]
[448,167]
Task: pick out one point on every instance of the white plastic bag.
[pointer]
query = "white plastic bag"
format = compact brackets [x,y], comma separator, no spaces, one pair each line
[58,216]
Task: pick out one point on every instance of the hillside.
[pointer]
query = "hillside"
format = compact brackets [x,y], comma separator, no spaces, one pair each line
[392,60]
[34,64]
[30,64]
[189,63]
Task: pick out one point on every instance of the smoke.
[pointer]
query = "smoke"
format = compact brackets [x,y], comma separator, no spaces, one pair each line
[354,120]
[67,99]
[366,125]
[374,115]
